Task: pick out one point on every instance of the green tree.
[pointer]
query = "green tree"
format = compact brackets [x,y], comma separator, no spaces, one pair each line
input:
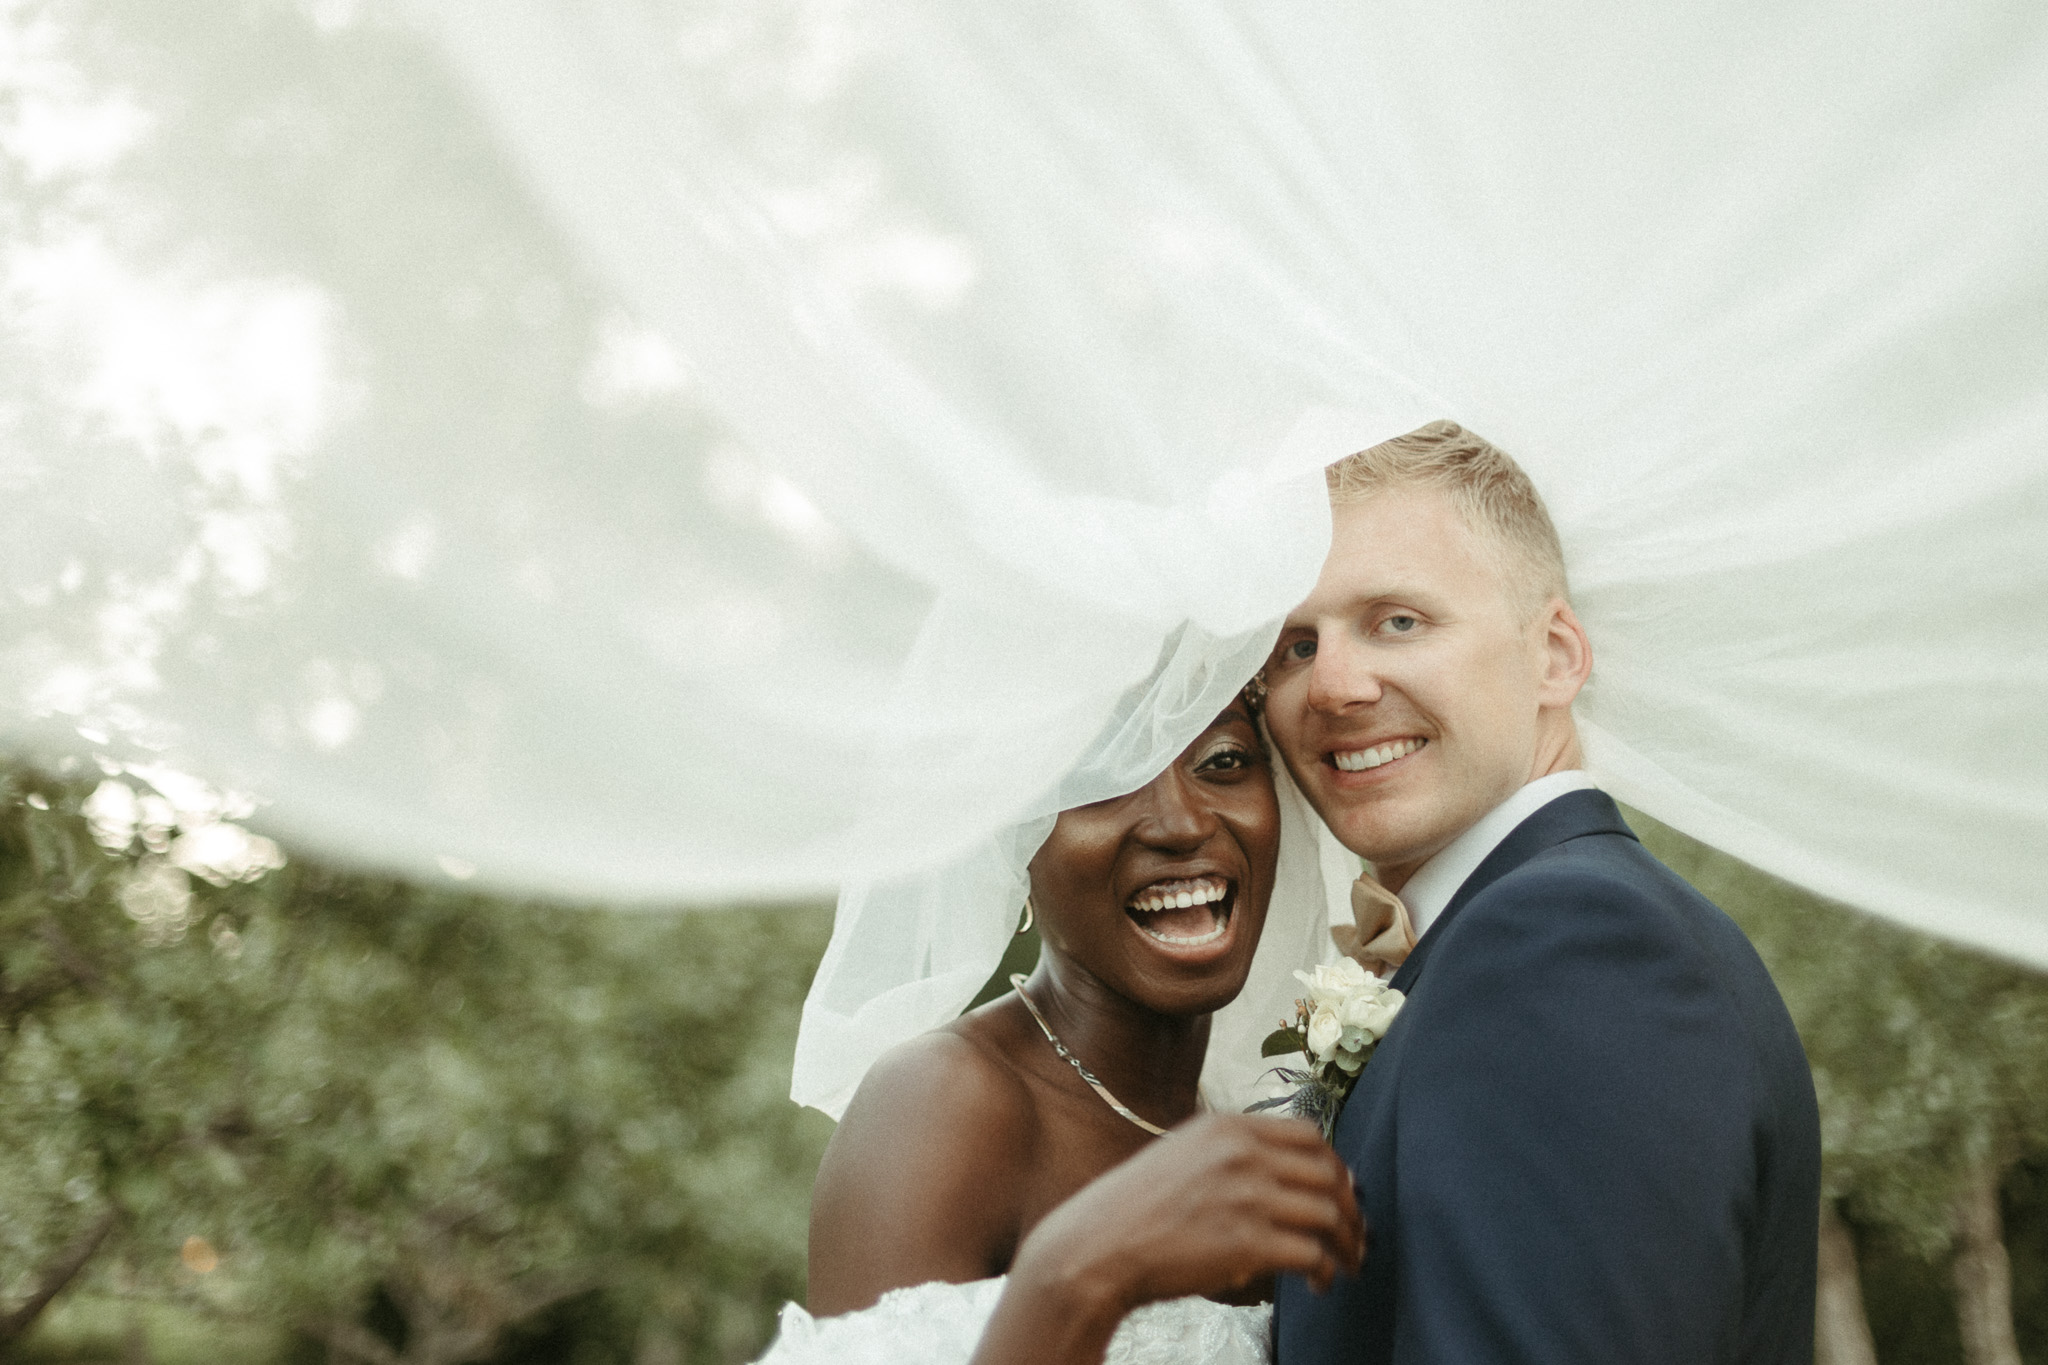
[300,1099]
[417,1126]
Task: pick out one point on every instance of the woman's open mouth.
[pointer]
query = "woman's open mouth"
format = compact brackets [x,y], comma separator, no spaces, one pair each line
[1187,913]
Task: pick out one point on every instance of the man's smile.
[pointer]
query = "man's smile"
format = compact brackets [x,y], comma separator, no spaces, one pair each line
[1377,755]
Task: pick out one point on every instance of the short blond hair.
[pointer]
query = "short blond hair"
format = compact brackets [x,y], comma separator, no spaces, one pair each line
[1488,488]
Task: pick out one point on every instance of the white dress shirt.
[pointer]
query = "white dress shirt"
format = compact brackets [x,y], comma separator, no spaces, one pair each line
[1436,881]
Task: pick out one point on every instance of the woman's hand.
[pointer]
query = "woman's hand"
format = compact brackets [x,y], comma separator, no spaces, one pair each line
[1217,1203]
[1220,1201]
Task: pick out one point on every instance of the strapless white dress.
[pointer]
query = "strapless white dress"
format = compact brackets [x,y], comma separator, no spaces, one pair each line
[940,1324]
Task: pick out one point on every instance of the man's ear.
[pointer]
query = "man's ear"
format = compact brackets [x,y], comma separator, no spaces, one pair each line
[1567,656]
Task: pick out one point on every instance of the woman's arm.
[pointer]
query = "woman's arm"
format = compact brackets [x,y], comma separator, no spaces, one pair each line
[1215,1204]
[917,1183]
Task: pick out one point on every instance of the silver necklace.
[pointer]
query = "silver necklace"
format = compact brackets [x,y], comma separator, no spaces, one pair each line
[1017,980]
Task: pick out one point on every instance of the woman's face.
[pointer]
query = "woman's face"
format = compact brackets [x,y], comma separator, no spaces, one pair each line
[1160,895]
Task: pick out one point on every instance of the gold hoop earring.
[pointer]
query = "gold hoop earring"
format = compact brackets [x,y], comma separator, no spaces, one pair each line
[1029,916]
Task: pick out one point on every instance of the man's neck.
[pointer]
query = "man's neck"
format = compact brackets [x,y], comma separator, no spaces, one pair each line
[1430,887]
[1557,751]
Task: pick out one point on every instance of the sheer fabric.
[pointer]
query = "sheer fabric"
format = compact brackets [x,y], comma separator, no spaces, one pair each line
[683,451]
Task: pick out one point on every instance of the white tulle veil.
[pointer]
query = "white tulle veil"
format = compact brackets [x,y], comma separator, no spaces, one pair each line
[678,451]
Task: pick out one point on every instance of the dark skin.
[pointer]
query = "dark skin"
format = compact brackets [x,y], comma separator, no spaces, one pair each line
[976,1151]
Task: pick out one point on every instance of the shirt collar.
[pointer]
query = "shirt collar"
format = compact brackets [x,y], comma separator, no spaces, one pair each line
[1436,881]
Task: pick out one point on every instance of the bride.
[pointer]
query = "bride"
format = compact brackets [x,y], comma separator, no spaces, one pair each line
[1015,1184]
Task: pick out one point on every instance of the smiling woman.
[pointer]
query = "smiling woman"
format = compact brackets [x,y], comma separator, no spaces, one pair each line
[1024,1139]
[1186,862]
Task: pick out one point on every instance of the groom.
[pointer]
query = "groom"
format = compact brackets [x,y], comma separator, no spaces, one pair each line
[1591,1135]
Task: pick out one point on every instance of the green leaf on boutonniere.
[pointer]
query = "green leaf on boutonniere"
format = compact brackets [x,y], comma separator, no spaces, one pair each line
[1282,1041]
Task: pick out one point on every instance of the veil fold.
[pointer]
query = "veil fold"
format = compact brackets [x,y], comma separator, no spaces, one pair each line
[678,451]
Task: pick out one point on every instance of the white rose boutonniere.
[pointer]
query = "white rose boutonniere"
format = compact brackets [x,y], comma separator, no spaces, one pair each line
[1347,1012]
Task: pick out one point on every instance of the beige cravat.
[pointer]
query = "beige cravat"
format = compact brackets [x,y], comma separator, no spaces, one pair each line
[1380,934]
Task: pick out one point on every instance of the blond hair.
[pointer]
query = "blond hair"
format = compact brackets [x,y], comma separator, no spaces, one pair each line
[1490,491]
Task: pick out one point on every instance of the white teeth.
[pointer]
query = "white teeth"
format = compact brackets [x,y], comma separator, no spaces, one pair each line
[1197,941]
[1185,894]
[1358,760]
[1180,895]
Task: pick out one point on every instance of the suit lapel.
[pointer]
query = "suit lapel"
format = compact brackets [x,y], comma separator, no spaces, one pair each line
[1574,815]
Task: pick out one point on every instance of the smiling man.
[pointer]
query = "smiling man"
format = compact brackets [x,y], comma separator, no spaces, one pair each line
[1591,1135]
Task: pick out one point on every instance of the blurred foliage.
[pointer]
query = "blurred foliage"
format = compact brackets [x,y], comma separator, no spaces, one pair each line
[408,1125]
[328,1117]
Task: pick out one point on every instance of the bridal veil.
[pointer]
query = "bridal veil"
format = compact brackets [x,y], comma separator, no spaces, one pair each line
[1006,342]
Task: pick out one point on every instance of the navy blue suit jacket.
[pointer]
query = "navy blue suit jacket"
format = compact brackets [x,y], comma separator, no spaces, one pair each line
[1590,1136]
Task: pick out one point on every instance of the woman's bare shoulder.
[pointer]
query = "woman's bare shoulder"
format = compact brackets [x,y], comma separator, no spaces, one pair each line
[947,1105]
[921,1180]
[959,1075]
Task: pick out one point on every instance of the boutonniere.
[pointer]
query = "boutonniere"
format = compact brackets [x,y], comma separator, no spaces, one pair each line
[1347,1012]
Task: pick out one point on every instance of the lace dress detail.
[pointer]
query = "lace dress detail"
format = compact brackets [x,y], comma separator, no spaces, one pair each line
[940,1324]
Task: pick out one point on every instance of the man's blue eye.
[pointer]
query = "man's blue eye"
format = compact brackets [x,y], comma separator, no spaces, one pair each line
[1401,625]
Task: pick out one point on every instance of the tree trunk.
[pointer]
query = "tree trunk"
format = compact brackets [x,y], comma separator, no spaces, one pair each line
[52,1281]
[451,1321]
[135,1344]
[351,1343]
[1983,1273]
[1841,1329]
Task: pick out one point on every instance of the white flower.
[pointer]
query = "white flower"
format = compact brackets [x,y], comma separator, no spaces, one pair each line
[1324,1033]
[1371,1011]
[1331,982]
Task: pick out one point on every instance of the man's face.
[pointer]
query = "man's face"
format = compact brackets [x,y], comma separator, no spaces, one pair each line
[1407,694]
